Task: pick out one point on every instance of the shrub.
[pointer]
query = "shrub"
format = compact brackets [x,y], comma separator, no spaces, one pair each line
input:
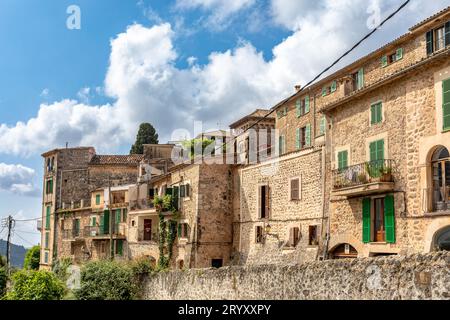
[59,268]
[142,266]
[35,285]
[106,280]
[3,279]
[32,258]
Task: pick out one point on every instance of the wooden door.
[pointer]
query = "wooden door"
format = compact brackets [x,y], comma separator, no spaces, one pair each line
[147,230]
[379,230]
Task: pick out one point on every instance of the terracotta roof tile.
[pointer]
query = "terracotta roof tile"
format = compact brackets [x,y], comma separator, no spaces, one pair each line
[132,160]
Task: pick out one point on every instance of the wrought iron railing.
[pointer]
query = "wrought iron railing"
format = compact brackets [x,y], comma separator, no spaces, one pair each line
[142,236]
[70,234]
[363,173]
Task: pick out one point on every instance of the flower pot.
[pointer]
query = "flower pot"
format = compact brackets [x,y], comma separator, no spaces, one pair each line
[387,177]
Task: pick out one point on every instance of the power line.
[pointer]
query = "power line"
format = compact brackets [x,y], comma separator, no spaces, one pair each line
[320,74]
[16,234]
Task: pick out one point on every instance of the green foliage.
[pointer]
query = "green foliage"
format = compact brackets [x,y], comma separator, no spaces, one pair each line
[2,261]
[146,135]
[194,146]
[142,266]
[163,204]
[3,280]
[32,258]
[35,285]
[59,268]
[106,280]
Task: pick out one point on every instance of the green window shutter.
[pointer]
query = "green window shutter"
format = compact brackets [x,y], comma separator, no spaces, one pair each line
[324,91]
[399,54]
[175,197]
[278,114]
[373,151]
[281,145]
[307,104]
[97,200]
[446,103]
[372,114]
[124,215]
[384,61]
[361,78]
[169,191]
[119,247]
[376,113]
[298,106]
[323,125]
[389,218]
[182,191]
[447,33]
[308,135]
[380,150]
[379,109]
[118,218]
[430,42]
[179,230]
[47,235]
[105,222]
[366,220]
[333,86]
[342,160]
[285,111]
[47,217]
[297,138]
[94,221]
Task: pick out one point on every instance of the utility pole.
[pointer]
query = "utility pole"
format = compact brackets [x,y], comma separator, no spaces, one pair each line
[9,225]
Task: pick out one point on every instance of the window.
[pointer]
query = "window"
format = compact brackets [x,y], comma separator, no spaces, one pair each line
[124,215]
[264,202]
[313,239]
[94,221]
[379,220]
[343,160]
[376,113]
[259,234]
[46,257]
[217,263]
[377,151]
[49,186]
[295,189]
[325,91]
[303,137]
[446,104]
[438,39]
[323,125]
[358,79]
[392,57]
[119,247]
[184,191]
[302,106]
[97,199]
[47,217]
[47,240]
[281,145]
[183,231]
[294,237]
[76,227]
[329,89]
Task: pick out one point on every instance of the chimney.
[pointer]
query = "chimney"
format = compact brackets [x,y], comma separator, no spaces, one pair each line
[297,88]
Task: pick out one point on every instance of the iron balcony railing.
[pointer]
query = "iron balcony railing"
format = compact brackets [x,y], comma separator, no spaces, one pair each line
[71,234]
[363,173]
[143,236]
[100,231]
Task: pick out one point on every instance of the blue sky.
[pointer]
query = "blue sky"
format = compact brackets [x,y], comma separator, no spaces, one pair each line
[166,62]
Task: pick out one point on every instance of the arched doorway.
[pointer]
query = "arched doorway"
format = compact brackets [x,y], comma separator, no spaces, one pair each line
[440,166]
[344,251]
[442,240]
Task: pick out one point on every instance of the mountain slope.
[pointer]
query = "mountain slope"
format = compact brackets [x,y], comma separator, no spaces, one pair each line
[17,253]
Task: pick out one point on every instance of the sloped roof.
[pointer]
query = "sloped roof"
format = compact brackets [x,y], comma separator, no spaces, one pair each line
[437,14]
[131,160]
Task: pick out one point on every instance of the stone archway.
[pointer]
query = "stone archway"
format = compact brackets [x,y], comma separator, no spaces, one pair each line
[350,240]
[433,230]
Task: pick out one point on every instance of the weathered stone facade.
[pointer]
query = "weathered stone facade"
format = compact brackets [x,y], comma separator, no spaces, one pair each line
[386,278]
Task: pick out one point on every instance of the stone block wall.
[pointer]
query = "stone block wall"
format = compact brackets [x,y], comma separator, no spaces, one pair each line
[387,278]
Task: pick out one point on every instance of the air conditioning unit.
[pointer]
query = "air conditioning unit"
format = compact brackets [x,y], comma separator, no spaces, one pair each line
[39,225]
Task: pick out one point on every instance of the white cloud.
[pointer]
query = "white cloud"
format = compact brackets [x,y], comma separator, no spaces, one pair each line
[45,93]
[17,179]
[148,86]
[84,94]
[221,11]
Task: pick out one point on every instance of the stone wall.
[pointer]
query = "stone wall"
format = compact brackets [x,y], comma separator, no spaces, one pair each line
[393,278]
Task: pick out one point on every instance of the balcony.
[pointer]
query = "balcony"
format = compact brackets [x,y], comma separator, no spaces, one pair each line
[146,237]
[71,234]
[101,232]
[364,179]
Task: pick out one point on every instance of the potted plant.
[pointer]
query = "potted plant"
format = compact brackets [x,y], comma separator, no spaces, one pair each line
[362,178]
[386,174]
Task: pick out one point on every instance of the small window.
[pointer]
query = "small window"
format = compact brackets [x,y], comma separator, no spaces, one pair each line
[124,215]
[259,234]
[94,221]
[182,191]
[295,189]
[343,160]
[439,36]
[313,239]
[217,263]
[119,247]
[294,237]
[264,202]
[46,257]
[183,230]
[282,145]
[323,125]
[49,186]
[97,199]
[376,113]
[47,241]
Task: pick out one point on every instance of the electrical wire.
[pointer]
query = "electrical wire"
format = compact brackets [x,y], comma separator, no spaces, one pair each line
[357,44]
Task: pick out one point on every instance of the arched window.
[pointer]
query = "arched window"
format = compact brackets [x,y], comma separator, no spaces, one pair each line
[344,251]
[440,164]
[442,239]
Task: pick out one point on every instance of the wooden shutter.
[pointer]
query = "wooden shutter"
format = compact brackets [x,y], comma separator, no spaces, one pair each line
[446,103]
[389,218]
[97,199]
[361,78]
[105,222]
[298,106]
[285,111]
[373,151]
[179,230]
[366,218]
[94,221]
[295,189]
[380,150]
[119,247]
[47,218]
[267,208]
[323,125]
[306,104]
[297,139]
[399,54]
[372,114]
[333,86]
[379,112]
[260,207]
[342,160]
[447,33]
[169,191]
[430,40]
[175,197]
[308,135]
[291,237]
[182,191]
[324,91]
[384,61]
[47,236]
[188,190]
[117,221]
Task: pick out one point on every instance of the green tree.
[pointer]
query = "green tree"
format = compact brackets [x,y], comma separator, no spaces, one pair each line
[146,135]
[106,280]
[3,279]
[35,285]
[32,258]
[2,261]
